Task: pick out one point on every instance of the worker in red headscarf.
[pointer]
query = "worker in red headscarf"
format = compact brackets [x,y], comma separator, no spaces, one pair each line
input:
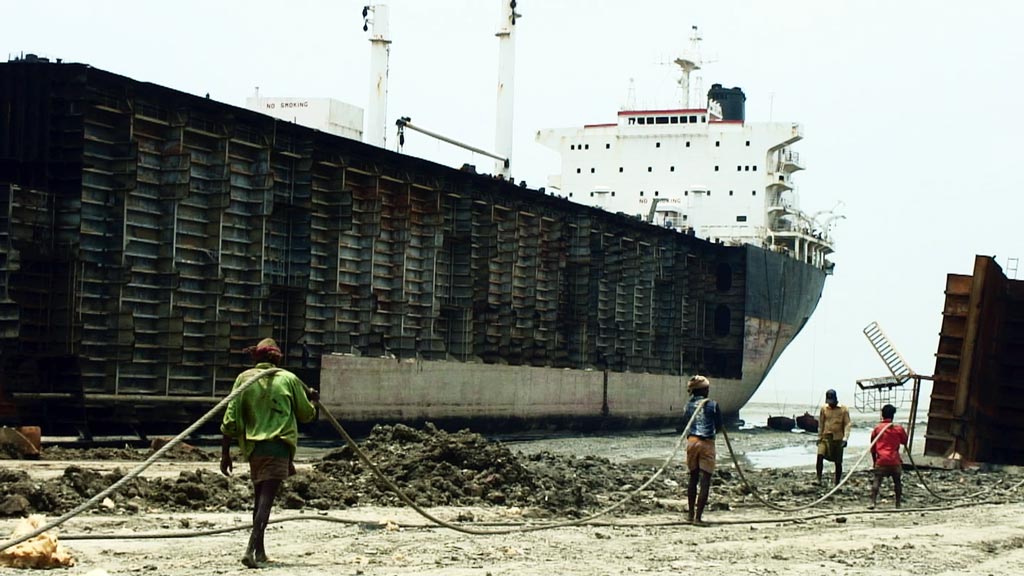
[264,421]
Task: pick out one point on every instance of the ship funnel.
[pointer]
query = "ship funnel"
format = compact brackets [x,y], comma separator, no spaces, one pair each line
[732,100]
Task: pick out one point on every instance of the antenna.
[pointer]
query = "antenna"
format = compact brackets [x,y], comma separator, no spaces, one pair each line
[631,95]
[690,61]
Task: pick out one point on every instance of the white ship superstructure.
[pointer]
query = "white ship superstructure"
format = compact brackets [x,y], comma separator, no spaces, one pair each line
[702,170]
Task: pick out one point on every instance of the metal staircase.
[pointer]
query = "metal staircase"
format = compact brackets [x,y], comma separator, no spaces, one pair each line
[890,356]
[873,393]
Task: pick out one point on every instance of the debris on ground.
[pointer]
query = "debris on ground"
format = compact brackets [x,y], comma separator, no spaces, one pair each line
[42,551]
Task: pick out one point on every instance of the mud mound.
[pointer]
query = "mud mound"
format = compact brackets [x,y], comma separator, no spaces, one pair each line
[180,453]
[433,467]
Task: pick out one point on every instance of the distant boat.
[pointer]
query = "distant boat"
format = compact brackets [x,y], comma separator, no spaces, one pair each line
[783,423]
[807,422]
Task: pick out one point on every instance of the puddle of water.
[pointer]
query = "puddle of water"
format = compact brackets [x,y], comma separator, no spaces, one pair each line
[785,457]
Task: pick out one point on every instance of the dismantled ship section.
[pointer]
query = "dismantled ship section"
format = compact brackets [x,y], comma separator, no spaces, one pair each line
[148,236]
[977,401]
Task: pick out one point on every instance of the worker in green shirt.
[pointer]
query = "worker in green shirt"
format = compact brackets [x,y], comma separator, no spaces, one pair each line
[264,421]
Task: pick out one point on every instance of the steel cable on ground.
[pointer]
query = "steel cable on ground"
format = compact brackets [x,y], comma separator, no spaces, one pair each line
[141,467]
[404,525]
[773,506]
[518,527]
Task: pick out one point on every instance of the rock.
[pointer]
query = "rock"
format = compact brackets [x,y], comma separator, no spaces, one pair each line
[14,505]
[108,504]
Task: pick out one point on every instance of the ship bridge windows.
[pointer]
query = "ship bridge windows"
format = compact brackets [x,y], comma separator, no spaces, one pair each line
[658,120]
[687,143]
[657,144]
[741,218]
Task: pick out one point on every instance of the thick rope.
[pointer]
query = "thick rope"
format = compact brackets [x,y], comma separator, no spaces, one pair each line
[138,470]
[516,527]
[407,526]
[362,455]
[773,506]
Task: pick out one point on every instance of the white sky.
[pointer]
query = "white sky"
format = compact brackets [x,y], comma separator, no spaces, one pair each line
[909,110]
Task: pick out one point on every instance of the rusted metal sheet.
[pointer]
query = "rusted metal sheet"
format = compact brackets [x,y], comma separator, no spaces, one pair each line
[977,402]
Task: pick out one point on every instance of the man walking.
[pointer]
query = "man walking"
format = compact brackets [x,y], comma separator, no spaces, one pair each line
[886,454]
[700,444]
[264,420]
[833,433]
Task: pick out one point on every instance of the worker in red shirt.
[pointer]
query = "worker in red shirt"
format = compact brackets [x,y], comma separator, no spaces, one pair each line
[886,454]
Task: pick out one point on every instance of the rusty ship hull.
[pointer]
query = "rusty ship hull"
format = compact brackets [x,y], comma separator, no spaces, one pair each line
[147,236]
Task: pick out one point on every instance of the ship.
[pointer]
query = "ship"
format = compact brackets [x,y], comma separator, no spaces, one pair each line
[148,236]
[702,168]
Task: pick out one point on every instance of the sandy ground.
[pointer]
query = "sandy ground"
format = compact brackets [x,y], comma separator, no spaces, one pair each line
[744,539]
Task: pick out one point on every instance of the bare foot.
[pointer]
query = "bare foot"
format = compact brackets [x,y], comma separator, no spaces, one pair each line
[249,560]
[261,558]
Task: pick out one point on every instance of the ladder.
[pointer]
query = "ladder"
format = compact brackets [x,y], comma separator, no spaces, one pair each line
[890,356]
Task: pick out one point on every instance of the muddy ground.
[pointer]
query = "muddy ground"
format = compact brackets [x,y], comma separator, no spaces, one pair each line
[467,478]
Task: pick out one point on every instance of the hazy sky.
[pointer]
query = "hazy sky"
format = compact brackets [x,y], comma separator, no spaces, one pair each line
[909,111]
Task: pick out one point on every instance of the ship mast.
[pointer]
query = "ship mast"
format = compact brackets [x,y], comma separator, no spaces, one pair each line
[690,62]
[380,49]
[506,72]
